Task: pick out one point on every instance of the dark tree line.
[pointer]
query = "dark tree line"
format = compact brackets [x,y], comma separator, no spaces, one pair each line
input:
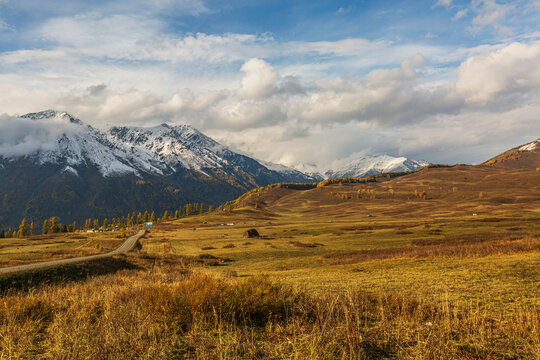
[53,225]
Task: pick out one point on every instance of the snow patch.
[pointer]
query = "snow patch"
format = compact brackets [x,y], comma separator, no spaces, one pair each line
[70,170]
[529,147]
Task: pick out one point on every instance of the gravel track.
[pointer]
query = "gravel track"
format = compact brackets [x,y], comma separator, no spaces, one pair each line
[127,246]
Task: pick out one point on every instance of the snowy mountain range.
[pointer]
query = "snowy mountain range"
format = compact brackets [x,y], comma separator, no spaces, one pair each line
[163,149]
[58,165]
[159,150]
[358,165]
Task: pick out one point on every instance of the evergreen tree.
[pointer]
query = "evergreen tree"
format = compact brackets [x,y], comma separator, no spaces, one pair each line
[153,217]
[96,224]
[105,223]
[45,229]
[165,215]
[201,209]
[145,217]
[32,228]
[176,214]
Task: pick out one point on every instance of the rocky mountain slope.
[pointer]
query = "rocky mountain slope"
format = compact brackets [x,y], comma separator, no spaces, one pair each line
[77,171]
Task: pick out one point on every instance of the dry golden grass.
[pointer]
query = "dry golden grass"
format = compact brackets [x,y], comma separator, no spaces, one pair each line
[443,250]
[169,312]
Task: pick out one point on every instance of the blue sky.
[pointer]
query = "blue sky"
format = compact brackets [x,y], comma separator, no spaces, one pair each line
[441,80]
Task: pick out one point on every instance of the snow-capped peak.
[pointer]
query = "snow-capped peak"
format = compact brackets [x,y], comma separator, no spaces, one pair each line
[61,138]
[174,145]
[53,114]
[359,165]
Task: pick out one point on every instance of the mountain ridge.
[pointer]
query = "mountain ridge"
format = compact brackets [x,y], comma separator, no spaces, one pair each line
[360,165]
[75,171]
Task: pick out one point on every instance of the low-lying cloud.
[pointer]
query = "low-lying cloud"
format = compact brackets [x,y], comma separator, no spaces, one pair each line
[22,136]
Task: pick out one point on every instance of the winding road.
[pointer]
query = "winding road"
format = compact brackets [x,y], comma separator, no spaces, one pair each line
[127,246]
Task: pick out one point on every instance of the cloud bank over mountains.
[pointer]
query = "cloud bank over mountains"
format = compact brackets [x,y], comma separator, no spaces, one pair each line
[22,136]
[283,100]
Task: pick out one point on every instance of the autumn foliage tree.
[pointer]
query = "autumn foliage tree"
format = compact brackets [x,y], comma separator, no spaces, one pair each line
[23,229]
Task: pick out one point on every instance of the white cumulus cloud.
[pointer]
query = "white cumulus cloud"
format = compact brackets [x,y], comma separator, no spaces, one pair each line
[259,81]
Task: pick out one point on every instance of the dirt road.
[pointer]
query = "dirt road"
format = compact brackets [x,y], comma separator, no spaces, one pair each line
[127,246]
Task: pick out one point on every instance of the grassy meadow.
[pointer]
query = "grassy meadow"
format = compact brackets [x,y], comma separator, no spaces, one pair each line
[446,267]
